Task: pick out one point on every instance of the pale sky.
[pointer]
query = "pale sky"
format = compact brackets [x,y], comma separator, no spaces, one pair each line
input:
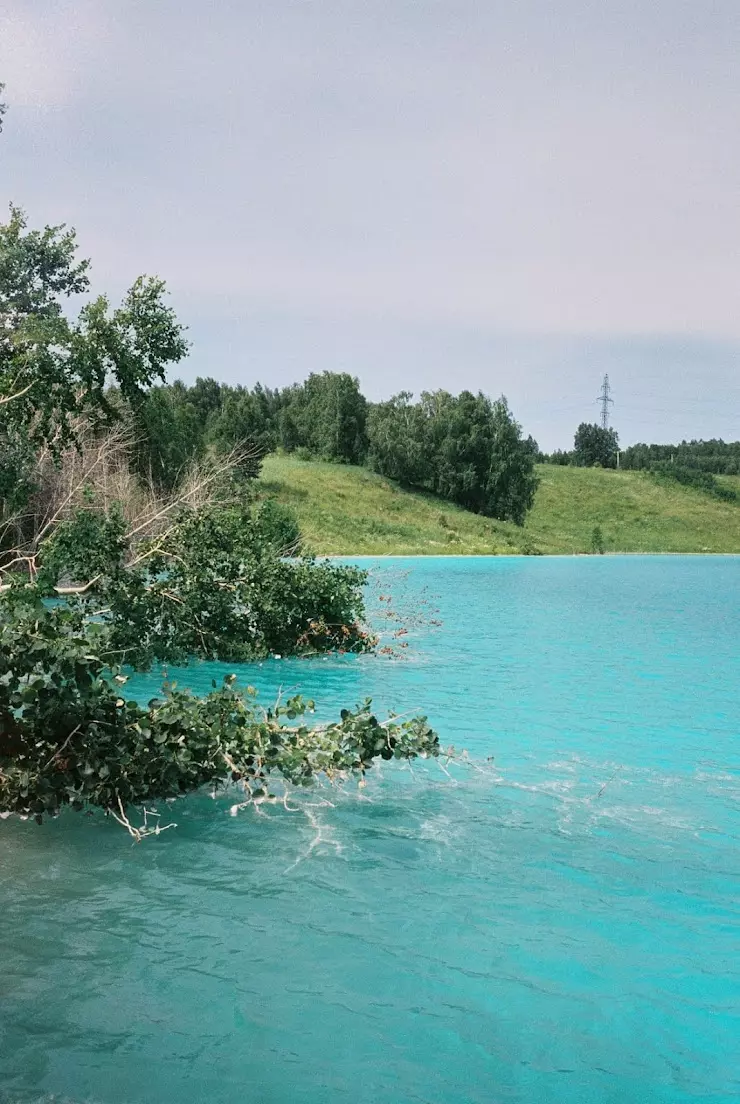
[513,196]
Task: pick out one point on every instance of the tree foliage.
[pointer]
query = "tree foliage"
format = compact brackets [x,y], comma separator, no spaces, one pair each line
[398,445]
[595,446]
[213,586]
[169,436]
[209,581]
[244,418]
[326,416]
[177,425]
[464,448]
[17,476]
[559,457]
[717,457]
[53,369]
[68,736]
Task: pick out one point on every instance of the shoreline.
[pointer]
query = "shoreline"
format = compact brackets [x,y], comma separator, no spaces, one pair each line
[515,555]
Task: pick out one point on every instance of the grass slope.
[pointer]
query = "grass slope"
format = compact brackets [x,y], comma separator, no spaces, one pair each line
[350,511]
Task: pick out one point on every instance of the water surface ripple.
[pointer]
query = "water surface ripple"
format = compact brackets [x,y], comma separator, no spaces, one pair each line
[560,925]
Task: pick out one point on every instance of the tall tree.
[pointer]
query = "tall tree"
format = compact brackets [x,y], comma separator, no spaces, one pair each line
[206,395]
[53,368]
[595,446]
[512,481]
[326,415]
[242,420]
[170,434]
[399,446]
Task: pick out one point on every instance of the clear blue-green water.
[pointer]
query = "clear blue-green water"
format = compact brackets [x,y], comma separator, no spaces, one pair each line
[560,925]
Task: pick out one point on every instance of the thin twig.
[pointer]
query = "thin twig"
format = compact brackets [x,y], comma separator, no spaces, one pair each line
[59,751]
[608,781]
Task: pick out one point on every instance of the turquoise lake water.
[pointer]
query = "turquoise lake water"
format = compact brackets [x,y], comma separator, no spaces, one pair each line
[559,925]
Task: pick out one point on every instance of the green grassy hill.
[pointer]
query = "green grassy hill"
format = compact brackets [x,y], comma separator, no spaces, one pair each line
[350,511]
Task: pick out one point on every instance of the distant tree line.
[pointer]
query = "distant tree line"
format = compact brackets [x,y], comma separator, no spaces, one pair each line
[716,456]
[597,447]
[323,418]
[692,463]
[467,448]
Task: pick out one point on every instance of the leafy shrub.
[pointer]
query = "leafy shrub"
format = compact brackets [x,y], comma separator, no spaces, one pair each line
[214,587]
[89,544]
[69,737]
[278,523]
[529,548]
[693,477]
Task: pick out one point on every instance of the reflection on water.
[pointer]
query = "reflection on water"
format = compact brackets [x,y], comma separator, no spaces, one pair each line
[558,925]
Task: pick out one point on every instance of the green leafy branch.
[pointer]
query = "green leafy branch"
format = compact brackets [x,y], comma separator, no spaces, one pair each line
[69,736]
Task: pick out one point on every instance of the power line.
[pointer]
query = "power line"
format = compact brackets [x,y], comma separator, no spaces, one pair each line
[605,399]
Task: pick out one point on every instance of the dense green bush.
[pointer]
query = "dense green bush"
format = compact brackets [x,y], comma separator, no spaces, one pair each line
[215,587]
[464,448]
[694,477]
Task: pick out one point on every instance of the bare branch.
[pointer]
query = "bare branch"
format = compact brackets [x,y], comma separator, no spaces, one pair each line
[77,589]
[9,398]
[59,750]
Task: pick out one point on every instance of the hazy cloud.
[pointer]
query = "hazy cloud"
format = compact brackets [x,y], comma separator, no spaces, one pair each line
[458,192]
[47,50]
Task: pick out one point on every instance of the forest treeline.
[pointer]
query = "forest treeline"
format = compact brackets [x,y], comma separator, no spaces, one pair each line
[691,463]
[715,457]
[466,448]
